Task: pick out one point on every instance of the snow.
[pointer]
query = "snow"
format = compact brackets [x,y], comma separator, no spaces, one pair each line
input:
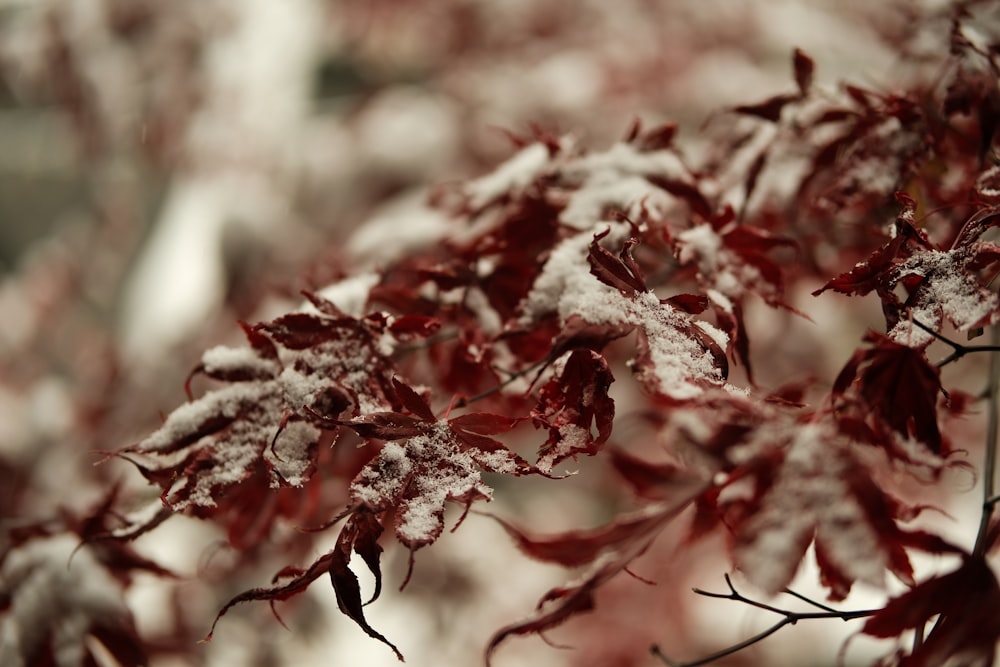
[617,179]
[291,457]
[623,159]
[571,437]
[811,494]
[511,177]
[222,359]
[54,589]
[399,226]
[699,244]
[349,294]
[566,286]
[948,292]
[726,275]
[422,473]
[189,417]
[233,461]
[626,193]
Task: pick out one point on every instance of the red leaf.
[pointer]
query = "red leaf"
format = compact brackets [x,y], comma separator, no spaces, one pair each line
[803,67]
[655,481]
[580,547]
[810,485]
[483,423]
[387,425]
[965,601]
[573,402]
[622,541]
[692,304]
[658,138]
[297,585]
[413,401]
[360,534]
[770,109]
[898,388]
[414,326]
[976,225]
[620,272]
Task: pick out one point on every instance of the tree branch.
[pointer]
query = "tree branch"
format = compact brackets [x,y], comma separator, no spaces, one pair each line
[958,350]
[990,455]
[789,618]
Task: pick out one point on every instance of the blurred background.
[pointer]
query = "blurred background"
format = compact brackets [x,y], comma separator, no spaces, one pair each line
[168,168]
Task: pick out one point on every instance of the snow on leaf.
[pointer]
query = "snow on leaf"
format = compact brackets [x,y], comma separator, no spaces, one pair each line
[941,285]
[733,260]
[820,492]
[511,177]
[948,290]
[678,355]
[573,403]
[428,462]
[226,451]
[59,600]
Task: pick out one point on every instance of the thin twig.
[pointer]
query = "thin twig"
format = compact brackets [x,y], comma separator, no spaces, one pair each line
[461,403]
[789,618]
[789,591]
[958,350]
[990,455]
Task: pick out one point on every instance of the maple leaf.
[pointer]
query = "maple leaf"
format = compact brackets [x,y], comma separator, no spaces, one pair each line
[876,273]
[570,404]
[894,389]
[599,297]
[62,592]
[732,261]
[610,549]
[941,285]
[426,462]
[965,601]
[814,489]
[221,454]
[59,599]
[945,285]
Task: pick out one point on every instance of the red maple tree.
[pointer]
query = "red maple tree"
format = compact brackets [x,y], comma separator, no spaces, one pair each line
[606,303]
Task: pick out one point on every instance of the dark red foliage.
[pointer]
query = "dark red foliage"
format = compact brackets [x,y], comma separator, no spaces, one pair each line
[967,628]
[894,389]
[591,291]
